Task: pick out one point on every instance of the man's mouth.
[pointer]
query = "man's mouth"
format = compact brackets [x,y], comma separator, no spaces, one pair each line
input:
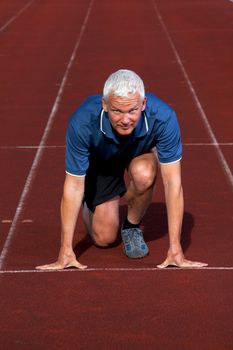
[125,127]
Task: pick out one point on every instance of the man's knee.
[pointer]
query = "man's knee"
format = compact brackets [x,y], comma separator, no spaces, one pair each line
[102,239]
[104,223]
[105,230]
[143,172]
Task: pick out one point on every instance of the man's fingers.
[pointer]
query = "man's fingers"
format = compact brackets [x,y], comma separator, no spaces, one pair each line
[53,266]
[188,263]
[77,265]
[184,264]
[58,266]
[164,264]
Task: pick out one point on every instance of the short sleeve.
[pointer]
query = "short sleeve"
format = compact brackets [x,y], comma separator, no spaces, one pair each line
[169,147]
[77,150]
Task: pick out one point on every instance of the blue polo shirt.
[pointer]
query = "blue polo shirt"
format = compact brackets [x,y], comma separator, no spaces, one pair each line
[90,137]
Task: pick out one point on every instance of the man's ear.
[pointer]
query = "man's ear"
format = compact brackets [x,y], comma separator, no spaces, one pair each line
[144,104]
[104,104]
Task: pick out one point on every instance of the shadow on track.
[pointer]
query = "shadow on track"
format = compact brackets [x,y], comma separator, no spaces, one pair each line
[154,226]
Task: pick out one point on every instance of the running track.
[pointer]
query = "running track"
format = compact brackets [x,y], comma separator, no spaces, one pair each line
[52,55]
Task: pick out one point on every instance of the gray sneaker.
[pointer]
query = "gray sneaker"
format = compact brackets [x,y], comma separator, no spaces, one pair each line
[134,244]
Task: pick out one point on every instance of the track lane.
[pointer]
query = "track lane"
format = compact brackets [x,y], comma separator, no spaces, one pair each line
[170,310]
[208,60]
[203,227]
[118,314]
[9,12]
[39,153]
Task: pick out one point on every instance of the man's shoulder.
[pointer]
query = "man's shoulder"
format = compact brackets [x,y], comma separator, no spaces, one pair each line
[88,111]
[156,107]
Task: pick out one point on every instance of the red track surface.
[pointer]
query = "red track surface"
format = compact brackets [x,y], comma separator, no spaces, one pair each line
[183,50]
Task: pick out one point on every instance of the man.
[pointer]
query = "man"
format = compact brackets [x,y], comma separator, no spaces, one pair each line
[122,130]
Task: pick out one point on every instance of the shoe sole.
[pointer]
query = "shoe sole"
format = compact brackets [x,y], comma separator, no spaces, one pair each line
[137,257]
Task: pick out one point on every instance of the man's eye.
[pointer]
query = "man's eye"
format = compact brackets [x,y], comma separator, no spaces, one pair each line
[133,111]
[117,111]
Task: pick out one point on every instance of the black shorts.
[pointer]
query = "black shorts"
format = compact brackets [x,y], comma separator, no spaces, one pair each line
[104,182]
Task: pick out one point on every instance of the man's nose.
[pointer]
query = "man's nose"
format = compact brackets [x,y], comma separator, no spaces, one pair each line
[125,117]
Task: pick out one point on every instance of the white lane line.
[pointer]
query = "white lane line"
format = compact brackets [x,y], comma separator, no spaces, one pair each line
[63,146]
[117,269]
[208,144]
[31,147]
[9,221]
[203,115]
[12,19]
[40,150]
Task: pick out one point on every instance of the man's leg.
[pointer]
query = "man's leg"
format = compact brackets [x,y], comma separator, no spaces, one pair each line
[103,224]
[142,173]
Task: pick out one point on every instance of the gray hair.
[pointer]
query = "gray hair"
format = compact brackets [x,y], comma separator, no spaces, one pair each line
[122,83]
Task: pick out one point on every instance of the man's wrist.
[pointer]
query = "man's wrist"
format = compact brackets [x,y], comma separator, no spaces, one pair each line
[175,248]
[66,247]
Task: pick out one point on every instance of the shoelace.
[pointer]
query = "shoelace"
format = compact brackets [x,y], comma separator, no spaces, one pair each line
[137,237]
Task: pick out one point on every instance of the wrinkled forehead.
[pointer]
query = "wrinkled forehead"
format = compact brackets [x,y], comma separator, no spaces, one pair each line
[130,98]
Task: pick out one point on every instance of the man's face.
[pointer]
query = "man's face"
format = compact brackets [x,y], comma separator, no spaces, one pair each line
[124,113]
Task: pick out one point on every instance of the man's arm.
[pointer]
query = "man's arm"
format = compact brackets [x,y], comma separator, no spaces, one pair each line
[70,206]
[171,175]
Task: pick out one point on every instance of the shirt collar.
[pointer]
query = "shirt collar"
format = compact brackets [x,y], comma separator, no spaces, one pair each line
[106,128]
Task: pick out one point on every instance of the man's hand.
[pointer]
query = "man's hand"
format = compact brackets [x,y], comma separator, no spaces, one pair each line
[64,261]
[179,260]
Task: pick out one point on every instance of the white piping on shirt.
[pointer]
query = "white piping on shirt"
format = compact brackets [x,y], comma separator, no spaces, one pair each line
[145,117]
[101,122]
[175,161]
[75,175]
